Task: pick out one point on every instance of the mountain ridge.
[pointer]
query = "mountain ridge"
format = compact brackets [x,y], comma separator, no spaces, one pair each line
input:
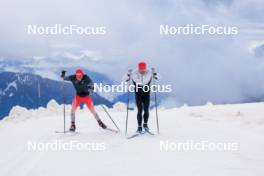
[32,91]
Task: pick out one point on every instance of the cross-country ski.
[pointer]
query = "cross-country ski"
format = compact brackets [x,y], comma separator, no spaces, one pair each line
[135,135]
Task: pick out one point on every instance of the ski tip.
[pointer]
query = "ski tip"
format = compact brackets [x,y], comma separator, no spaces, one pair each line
[112,130]
[135,135]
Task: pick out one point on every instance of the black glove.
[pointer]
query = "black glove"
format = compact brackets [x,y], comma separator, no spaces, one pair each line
[129,75]
[90,91]
[63,72]
[154,73]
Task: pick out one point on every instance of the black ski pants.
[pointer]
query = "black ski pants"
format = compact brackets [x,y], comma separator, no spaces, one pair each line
[142,102]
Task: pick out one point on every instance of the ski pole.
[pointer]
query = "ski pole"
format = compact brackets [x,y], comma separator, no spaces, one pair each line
[110,117]
[64,99]
[127,108]
[155,98]
[157,119]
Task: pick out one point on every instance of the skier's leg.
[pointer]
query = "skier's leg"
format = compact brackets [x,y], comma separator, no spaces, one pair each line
[73,114]
[75,104]
[140,109]
[89,103]
[146,101]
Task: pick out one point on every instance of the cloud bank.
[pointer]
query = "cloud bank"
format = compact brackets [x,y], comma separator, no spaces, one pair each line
[219,69]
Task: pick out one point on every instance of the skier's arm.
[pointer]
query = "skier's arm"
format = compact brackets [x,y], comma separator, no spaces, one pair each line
[89,82]
[66,78]
[155,75]
[127,76]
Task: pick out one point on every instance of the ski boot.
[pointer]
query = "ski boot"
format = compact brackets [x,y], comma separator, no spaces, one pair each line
[101,124]
[139,130]
[145,126]
[73,127]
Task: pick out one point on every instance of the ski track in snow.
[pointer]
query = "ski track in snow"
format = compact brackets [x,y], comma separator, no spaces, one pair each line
[243,124]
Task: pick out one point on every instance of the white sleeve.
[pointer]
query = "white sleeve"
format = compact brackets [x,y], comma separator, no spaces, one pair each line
[126,77]
[156,76]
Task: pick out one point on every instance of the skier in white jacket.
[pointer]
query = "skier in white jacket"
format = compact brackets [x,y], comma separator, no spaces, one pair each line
[142,78]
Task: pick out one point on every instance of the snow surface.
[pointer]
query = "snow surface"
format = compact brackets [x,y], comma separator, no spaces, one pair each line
[242,124]
[8,87]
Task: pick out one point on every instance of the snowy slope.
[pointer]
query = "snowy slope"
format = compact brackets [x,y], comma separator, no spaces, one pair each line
[242,124]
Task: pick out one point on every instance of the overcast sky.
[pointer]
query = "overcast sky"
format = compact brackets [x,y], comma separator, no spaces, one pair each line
[201,68]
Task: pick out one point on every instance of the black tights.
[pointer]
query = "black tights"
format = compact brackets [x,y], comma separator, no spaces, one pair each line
[142,101]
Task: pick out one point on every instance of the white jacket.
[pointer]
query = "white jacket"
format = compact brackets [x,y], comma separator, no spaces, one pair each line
[140,79]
